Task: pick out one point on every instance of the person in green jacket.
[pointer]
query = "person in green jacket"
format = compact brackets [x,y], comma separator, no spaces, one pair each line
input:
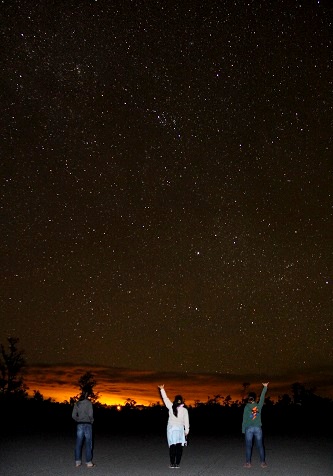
[251,426]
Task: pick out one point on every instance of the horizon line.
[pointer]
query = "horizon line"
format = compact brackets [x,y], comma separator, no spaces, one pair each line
[116,385]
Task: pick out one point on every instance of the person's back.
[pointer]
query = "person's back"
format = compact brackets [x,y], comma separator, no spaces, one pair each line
[252,411]
[177,428]
[83,411]
[83,415]
[251,426]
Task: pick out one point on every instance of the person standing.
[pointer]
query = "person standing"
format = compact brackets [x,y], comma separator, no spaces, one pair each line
[251,426]
[178,427]
[83,414]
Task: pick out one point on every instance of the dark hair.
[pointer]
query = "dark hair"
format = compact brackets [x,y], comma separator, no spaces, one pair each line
[177,401]
[252,396]
[84,395]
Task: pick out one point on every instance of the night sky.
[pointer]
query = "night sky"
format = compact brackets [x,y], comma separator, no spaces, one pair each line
[167,184]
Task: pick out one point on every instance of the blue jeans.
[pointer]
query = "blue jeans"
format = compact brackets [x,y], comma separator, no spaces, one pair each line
[256,432]
[83,433]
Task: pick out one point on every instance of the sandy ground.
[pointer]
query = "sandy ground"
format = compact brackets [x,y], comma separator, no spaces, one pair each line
[51,455]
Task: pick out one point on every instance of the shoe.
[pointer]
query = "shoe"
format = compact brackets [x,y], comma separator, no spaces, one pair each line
[77,463]
[247,465]
[171,466]
[90,465]
[177,466]
[264,465]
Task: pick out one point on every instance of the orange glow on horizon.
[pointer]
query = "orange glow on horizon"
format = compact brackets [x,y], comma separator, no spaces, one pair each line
[116,386]
[64,394]
[146,395]
[150,394]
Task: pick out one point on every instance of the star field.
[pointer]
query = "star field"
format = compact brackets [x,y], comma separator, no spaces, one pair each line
[167,184]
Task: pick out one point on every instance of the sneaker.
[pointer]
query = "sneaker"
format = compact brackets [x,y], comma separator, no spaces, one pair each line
[247,465]
[264,465]
[177,466]
[77,463]
[171,466]
[90,465]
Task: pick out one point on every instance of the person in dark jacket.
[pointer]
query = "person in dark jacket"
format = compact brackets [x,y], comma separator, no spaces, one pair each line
[83,414]
[251,426]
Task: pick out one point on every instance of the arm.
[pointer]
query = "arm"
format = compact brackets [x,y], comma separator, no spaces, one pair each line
[165,398]
[186,422]
[74,412]
[262,396]
[91,414]
[244,419]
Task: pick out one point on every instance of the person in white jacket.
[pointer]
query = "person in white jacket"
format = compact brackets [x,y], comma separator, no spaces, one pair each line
[178,426]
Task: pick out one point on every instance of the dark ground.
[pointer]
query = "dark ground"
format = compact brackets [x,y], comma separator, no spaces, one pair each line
[38,439]
[53,455]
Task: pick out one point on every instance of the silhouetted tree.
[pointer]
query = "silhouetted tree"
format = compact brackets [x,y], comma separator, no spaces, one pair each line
[214,400]
[298,391]
[269,402]
[130,403]
[12,363]
[227,400]
[155,404]
[38,397]
[284,400]
[86,384]
[303,395]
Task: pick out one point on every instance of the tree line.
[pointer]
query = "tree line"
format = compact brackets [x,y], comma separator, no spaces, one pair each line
[303,409]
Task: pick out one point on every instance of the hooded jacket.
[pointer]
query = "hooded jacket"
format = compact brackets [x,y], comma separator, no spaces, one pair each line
[83,412]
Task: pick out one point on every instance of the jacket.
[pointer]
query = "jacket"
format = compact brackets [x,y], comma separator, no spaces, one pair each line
[252,412]
[182,419]
[83,412]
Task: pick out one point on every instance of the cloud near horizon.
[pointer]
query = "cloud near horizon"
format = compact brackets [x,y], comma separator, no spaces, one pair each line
[116,385]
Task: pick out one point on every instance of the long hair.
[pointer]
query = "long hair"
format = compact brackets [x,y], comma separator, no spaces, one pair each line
[176,403]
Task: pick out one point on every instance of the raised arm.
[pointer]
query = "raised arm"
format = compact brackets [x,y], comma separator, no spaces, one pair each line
[263,393]
[165,398]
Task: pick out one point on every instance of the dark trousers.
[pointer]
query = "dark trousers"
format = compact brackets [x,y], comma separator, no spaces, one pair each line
[176,452]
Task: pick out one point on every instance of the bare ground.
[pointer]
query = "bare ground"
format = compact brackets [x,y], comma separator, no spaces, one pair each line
[53,455]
